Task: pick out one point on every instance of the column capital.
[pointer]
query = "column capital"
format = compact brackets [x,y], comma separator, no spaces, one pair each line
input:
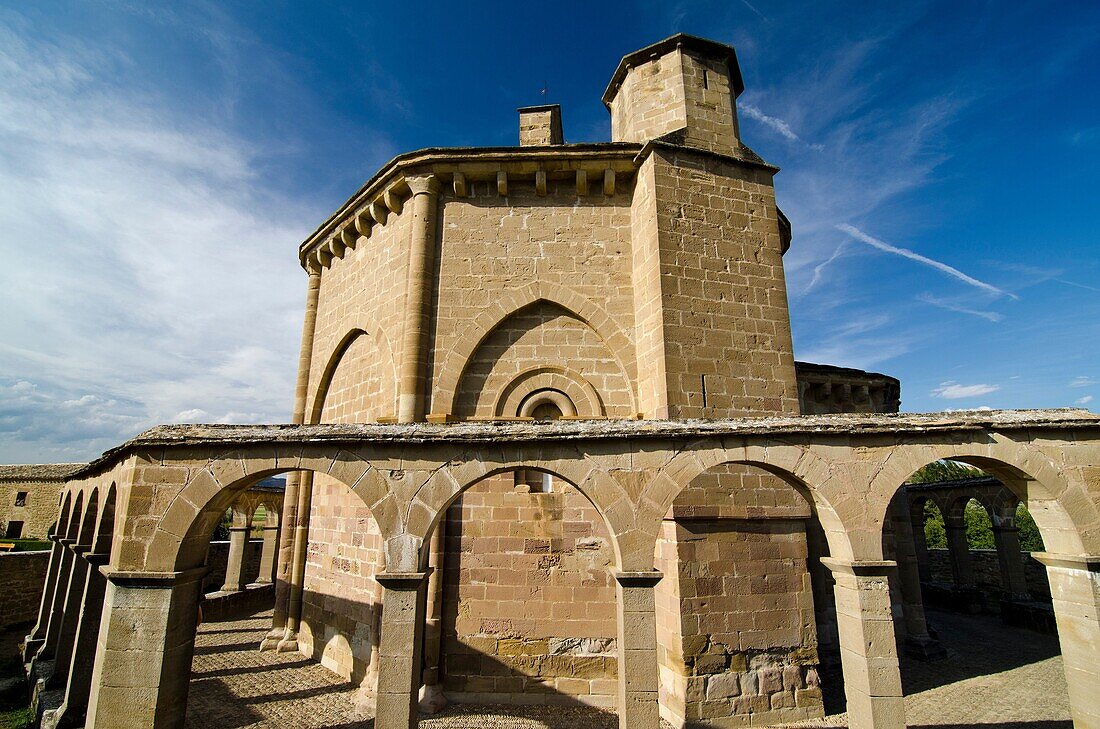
[98,559]
[402,580]
[239,528]
[79,549]
[645,578]
[163,580]
[423,184]
[1086,562]
[860,568]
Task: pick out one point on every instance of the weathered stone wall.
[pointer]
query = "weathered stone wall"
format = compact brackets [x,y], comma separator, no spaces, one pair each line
[528,600]
[569,245]
[727,339]
[39,511]
[22,575]
[736,611]
[987,572]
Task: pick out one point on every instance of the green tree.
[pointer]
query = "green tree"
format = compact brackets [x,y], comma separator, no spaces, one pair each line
[979,527]
[1030,539]
[945,471]
[935,534]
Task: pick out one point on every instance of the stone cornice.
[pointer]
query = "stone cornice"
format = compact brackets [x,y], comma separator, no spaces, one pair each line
[780,428]
[385,193]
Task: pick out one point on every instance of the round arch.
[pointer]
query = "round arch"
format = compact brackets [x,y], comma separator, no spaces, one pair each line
[183,533]
[1028,474]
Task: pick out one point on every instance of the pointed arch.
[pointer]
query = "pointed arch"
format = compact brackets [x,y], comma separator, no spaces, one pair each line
[457,358]
[381,345]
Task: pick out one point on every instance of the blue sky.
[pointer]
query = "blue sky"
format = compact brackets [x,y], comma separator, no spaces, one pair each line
[160,164]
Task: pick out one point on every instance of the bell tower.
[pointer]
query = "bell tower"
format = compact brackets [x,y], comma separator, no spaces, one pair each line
[682,89]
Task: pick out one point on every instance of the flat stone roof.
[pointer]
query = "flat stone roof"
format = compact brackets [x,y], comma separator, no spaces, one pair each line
[39,471]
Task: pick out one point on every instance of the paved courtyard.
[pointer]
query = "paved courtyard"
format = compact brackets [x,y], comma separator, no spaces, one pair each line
[994,676]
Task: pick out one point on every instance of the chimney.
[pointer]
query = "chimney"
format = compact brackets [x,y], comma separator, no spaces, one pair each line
[540,126]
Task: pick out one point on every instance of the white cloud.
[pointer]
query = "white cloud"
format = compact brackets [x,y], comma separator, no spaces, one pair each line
[151,275]
[1083,400]
[772,122]
[913,256]
[955,391]
[1082,381]
[943,304]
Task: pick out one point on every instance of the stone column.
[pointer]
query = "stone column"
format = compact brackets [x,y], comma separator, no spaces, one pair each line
[284,566]
[637,636]
[958,550]
[432,699]
[1075,590]
[918,642]
[75,704]
[37,636]
[60,597]
[920,543]
[1007,538]
[289,642]
[143,657]
[868,652]
[267,554]
[410,395]
[399,657]
[74,602]
[234,567]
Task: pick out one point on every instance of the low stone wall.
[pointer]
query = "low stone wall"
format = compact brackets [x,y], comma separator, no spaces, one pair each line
[987,573]
[218,556]
[22,575]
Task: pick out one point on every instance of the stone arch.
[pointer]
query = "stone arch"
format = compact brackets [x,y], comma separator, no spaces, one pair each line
[105,527]
[430,503]
[583,308]
[61,526]
[86,533]
[808,473]
[378,342]
[1025,471]
[183,533]
[76,517]
[581,394]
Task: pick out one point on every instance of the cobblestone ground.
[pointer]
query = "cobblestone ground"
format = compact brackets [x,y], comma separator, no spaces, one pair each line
[994,676]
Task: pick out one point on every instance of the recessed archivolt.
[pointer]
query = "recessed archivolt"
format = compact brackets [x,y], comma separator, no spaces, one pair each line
[582,395]
[457,359]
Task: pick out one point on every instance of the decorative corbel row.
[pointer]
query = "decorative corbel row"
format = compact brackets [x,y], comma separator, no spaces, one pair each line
[460,184]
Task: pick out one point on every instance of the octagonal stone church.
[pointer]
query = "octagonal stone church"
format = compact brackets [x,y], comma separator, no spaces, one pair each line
[692,537]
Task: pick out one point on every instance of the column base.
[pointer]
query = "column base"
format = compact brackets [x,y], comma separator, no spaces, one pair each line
[289,644]
[432,700]
[924,648]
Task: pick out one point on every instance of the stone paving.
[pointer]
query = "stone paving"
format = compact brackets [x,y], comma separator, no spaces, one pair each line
[994,676]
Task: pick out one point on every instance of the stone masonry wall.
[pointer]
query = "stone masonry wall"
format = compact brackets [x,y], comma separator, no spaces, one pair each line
[492,245]
[529,603]
[22,575]
[987,571]
[39,511]
[728,347]
[736,626]
[218,556]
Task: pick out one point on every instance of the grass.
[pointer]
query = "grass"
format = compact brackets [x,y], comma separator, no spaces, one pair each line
[28,545]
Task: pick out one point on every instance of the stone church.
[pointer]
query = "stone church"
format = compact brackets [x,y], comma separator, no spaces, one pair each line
[698,535]
[637,278]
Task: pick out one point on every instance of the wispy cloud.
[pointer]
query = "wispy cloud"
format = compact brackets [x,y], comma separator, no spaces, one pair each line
[819,268]
[774,123]
[170,290]
[1082,381]
[752,7]
[955,391]
[913,256]
[944,304]
[1083,400]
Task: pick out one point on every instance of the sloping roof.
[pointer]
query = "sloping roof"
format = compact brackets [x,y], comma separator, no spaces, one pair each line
[39,471]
